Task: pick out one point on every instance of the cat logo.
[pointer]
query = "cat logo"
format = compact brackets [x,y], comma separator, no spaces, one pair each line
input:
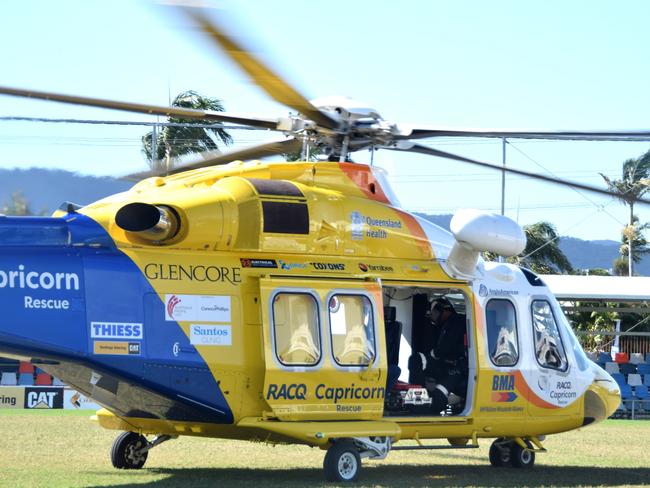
[43,398]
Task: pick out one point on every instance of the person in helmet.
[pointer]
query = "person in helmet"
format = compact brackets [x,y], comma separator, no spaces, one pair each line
[446,363]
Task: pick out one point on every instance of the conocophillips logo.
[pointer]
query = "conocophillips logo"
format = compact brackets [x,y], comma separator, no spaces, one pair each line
[171,305]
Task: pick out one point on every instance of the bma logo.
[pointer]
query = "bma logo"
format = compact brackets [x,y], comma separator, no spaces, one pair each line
[503,386]
[43,398]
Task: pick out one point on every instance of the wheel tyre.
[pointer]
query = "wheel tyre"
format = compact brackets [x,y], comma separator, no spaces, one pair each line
[499,454]
[522,458]
[342,462]
[124,453]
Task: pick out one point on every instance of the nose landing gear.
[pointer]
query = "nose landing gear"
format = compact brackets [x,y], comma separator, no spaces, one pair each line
[508,452]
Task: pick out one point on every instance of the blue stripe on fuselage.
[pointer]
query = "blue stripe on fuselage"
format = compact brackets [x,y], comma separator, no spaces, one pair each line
[57,285]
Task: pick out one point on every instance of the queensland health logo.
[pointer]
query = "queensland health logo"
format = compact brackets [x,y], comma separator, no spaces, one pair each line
[503,388]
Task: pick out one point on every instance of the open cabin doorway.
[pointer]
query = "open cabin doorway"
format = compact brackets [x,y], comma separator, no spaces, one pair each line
[430,350]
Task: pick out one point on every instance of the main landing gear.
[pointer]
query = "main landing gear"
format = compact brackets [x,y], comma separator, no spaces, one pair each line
[342,461]
[130,450]
[508,452]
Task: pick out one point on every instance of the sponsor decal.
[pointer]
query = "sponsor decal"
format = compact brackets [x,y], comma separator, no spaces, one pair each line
[482,291]
[43,397]
[356,226]
[258,263]
[115,330]
[116,348]
[197,308]
[363,225]
[288,266]
[299,391]
[499,292]
[210,335]
[22,278]
[376,267]
[503,386]
[176,349]
[12,397]
[328,266]
[73,400]
[193,273]
[563,392]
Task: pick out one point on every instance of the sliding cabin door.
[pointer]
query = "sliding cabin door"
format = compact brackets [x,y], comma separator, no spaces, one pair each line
[324,348]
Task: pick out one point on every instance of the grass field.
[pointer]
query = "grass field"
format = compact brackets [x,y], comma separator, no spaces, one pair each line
[63,448]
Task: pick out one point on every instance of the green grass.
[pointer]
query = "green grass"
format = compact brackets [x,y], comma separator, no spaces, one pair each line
[63,448]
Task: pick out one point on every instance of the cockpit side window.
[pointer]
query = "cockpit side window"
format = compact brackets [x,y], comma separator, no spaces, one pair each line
[353,330]
[549,349]
[501,320]
[296,329]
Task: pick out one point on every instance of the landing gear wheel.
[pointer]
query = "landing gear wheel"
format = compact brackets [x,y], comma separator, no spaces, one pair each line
[125,452]
[522,458]
[342,462]
[500,453]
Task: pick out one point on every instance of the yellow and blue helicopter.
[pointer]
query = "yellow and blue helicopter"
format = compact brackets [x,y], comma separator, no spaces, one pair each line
[287,302]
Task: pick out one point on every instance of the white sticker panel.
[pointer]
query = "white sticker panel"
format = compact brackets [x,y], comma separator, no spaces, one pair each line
[210,335]
[197,308]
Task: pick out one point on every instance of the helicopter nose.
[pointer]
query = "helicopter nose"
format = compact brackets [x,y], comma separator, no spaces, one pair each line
[602,397]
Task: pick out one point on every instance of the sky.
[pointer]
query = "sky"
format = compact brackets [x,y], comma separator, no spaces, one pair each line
[464,64]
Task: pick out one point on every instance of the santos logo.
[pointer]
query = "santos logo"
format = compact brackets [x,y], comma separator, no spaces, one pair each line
[36,280]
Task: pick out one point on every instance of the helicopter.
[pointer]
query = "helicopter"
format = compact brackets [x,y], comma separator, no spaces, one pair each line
[285,302]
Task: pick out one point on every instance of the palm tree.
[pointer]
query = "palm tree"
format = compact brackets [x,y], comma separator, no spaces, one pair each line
[17,206]
[634,183]
[172,141]
[543,254]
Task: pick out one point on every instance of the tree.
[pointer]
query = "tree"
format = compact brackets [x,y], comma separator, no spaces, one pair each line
[542,254]
[18,205]
[173,141]
[634,183]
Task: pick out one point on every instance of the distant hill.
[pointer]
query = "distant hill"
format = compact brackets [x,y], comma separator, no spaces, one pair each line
[46,189]
[582,254]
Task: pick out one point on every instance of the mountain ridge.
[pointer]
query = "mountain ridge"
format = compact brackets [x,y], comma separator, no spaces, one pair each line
[45,190]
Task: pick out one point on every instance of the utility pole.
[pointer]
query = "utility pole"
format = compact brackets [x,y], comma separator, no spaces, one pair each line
[503,176]
[503,185]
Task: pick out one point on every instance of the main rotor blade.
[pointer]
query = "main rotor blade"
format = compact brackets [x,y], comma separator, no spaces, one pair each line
[186,113]
[261,74]
[213,158]
[570,135]
[418,148]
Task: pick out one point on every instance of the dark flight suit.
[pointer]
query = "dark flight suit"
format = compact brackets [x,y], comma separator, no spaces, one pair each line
[446,363]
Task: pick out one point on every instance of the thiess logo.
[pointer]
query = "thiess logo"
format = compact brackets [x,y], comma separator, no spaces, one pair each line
[503,386]
[200,273]
[37,280]
[112,330]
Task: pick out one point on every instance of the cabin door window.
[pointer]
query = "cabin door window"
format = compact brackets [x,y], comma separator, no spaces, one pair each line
[296,329]
[353,330]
